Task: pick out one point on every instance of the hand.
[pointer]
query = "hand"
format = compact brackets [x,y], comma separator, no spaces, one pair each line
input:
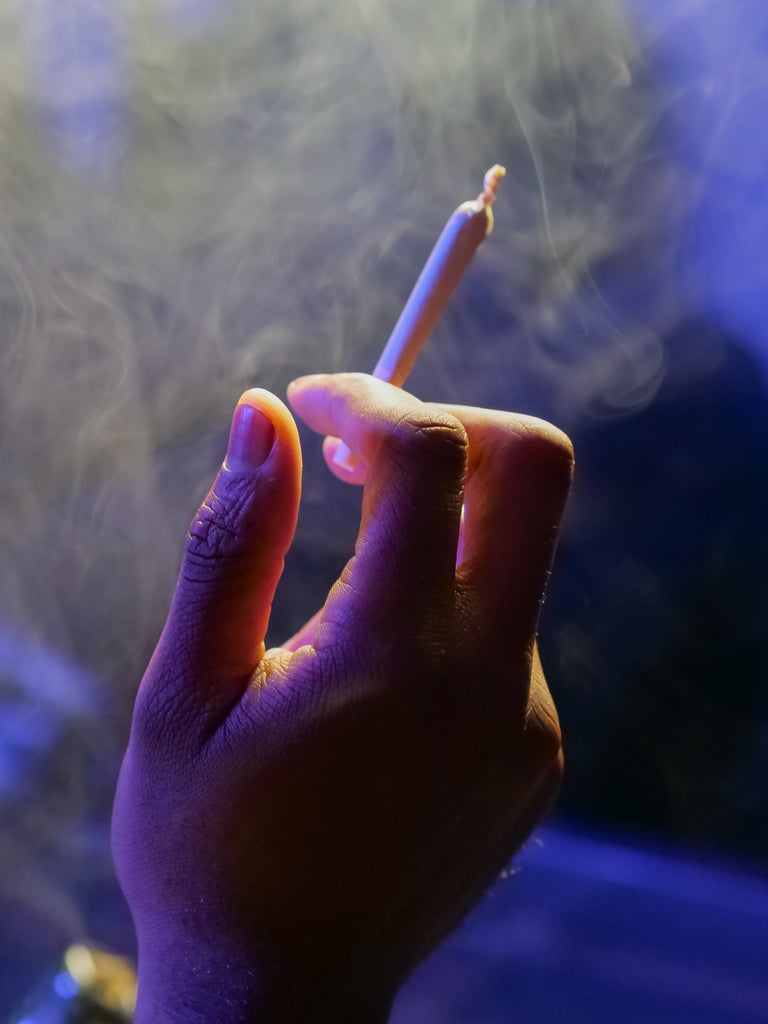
[295,830]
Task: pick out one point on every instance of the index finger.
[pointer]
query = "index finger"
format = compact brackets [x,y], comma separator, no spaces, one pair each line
[415,457]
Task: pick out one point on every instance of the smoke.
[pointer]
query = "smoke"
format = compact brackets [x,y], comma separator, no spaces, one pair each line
[186,213]
[200,197]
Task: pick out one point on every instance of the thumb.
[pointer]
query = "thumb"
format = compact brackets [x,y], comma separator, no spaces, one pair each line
[233,559]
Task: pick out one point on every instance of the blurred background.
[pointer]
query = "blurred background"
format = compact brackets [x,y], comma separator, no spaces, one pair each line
[198,196]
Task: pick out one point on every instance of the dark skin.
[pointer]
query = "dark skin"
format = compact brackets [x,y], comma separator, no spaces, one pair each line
[296,829]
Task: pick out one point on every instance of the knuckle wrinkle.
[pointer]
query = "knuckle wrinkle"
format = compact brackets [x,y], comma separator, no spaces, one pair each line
[433,435]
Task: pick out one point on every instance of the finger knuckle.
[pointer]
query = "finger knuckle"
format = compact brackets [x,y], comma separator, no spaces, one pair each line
[524,443]
[547,447]
[429,438]
[216,534]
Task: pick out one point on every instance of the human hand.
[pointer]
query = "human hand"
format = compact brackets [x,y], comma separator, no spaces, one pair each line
[295,830]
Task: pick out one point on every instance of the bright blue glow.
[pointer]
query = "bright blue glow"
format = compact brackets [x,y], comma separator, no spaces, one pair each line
[38,672]
[64,985]
[664,872]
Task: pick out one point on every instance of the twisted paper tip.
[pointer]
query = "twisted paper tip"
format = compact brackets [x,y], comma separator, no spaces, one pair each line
[491,185]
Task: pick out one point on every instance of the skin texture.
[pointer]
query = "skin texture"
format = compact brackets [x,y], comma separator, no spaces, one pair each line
[296,829]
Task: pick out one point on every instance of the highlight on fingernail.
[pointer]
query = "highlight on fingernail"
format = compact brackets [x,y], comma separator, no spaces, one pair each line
[251,439]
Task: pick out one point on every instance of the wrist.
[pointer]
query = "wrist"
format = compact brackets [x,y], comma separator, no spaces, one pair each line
[197,990]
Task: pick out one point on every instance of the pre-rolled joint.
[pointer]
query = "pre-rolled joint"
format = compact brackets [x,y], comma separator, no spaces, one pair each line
[470,223]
